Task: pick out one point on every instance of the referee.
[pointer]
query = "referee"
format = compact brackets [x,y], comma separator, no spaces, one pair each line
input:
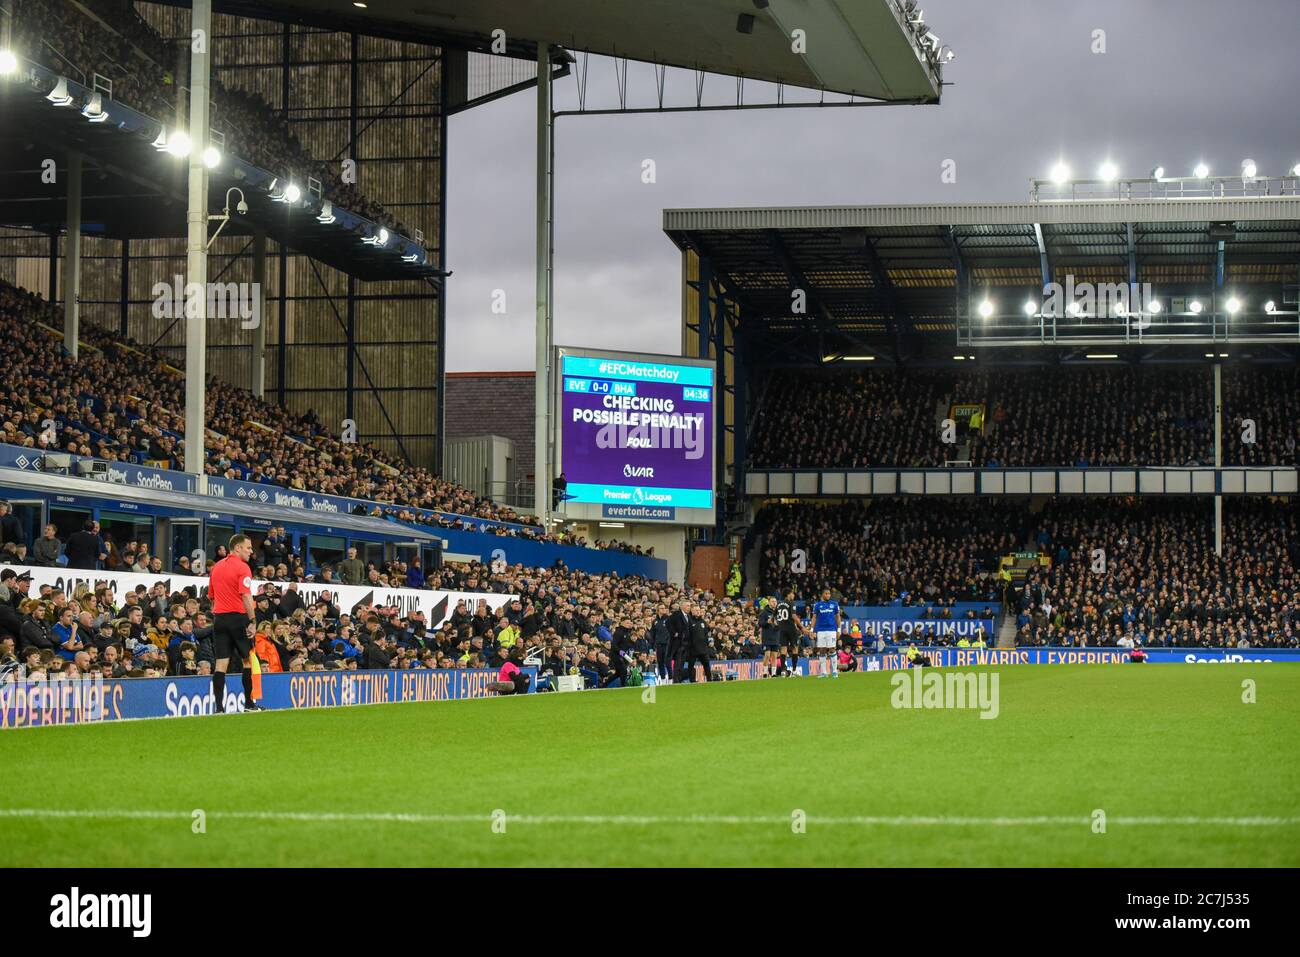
[230,588]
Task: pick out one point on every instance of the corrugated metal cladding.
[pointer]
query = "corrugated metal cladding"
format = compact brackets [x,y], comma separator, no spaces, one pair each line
[488,74]
[398,164]
[484,464]
[24,259]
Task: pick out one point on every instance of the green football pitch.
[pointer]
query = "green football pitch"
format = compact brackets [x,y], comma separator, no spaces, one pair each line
[810,771]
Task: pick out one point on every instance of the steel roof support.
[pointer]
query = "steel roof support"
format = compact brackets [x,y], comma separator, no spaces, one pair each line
[542,343]
[72,257]
[196,263]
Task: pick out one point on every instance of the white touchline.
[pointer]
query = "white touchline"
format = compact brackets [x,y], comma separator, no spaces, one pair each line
[643,819]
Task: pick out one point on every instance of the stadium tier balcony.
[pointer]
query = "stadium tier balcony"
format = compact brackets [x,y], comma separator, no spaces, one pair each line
[1101,571]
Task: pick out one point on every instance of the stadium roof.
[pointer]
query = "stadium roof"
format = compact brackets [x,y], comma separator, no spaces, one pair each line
[886,277]
[131,190]
[862,47]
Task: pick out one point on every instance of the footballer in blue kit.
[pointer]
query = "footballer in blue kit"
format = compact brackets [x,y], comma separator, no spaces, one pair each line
[826,625]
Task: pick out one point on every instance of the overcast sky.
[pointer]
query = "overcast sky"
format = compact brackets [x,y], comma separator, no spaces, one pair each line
[1180,81]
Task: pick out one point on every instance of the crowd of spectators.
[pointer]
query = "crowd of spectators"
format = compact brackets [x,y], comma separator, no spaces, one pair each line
[567,622]
[1092,417]
[1117,571]
[119,44]
[1136,572]
[116,401]
[904,551]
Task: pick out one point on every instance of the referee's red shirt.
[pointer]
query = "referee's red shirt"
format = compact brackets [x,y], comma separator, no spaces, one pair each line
[231,578]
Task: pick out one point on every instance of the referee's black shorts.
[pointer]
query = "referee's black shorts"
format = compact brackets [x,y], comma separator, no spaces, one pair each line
[230,636]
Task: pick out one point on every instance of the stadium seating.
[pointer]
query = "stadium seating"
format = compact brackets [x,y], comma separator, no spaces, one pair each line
[119,402]
[1120,569]
[564,619]
[1081,417]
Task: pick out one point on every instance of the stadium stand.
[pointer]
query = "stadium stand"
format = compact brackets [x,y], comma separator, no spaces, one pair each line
[1099,417]
[893,551]
[570,622]
[115,403]
[1117,570]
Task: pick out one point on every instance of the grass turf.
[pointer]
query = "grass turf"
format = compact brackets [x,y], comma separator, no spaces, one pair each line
[1159,740]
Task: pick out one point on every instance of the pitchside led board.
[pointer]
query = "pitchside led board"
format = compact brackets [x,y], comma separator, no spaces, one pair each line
[636,436]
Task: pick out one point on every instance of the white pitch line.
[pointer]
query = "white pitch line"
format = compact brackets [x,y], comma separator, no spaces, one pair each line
[645,819]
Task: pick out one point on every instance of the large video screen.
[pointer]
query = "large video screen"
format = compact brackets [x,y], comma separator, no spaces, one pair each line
[636,435]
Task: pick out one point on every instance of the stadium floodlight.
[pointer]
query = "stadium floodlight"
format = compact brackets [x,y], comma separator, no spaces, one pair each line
[160,143]
[959,358]
[1102,355]
[326,213]
[1248,169]
[358,4]
[94,108]
[178,144]
[292,193]
[60,96]
[1109,171]
[412,258]
[212,157]
[1233,305]
[382,238]
[1031,307]
[1060,173]
[1073,308]
[8,62]
[1158,173]
[1295,170]
[1195,306]
[859,358]
[1201,171]
[1153,306]
[1269,307]
[986,309]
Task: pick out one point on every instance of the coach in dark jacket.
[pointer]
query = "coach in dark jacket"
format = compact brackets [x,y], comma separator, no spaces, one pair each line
[621,645]
[701,644]
[679,635]
[660,636]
